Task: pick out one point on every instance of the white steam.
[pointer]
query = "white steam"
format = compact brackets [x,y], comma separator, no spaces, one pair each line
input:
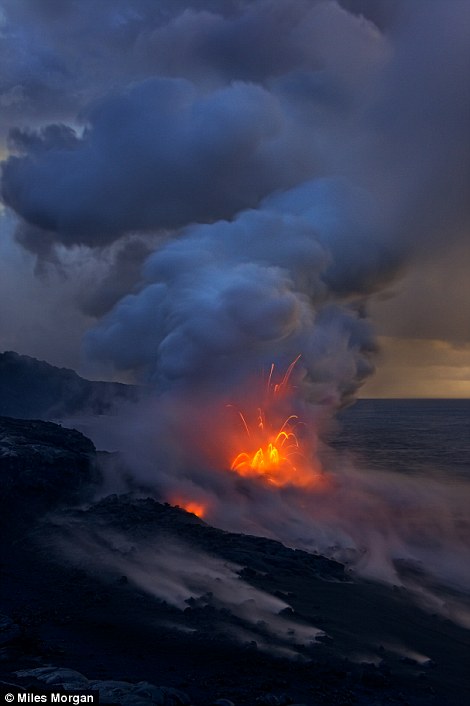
[228,299]
[409,530]
[184,577]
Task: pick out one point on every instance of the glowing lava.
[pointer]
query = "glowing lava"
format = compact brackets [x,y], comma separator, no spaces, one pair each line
[195,508]
[275,457]
[275,451]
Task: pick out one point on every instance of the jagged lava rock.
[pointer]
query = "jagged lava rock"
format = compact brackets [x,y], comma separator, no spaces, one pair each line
[31,388]
[43,465]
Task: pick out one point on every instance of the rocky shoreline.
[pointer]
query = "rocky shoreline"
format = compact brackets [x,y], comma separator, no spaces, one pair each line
[153,606]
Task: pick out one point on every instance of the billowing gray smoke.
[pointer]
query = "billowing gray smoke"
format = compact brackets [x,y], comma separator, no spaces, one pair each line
[226,299]
[282,161]
[300,123]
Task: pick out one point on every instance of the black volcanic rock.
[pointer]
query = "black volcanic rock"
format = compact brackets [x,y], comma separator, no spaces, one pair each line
[8,630]
[144,519]
[42,465]
[82,617]
[33,389]
[91,589]
[77,611]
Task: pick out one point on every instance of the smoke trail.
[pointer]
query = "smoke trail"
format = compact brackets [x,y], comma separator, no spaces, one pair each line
[186,578]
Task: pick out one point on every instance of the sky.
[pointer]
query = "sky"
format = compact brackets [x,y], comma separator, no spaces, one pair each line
[194,189]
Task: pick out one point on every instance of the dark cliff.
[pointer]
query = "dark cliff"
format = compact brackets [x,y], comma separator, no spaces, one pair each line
[33,389]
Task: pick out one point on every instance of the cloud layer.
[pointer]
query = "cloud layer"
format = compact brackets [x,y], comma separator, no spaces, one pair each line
[285,160]
[224,186]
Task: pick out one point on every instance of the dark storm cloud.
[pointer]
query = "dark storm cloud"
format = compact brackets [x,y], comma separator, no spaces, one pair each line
[332,137]
[56,56]
[384,13]
[38,314]
[318,64]
[72,51]
[440,288]
[162,152]
[51,137]
[157,156]
[246,47]
[419,123]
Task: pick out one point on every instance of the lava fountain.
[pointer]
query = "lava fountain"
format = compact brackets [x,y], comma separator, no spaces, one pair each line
[278,451]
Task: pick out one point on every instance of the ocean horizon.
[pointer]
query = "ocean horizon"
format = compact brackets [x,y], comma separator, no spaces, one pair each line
[407,434]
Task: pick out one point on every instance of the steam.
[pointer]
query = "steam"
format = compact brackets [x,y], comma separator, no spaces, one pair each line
[240,294]
[408,530]
[186,578]
[291,132]
[253,173]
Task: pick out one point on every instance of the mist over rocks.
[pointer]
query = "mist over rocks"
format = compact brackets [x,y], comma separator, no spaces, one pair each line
[145,519]
[127,591]
[210,613]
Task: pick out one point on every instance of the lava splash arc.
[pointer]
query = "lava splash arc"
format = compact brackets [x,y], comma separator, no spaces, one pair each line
[275,449]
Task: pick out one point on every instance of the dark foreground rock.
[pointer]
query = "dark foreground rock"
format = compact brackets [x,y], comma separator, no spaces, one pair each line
[111,692]
[66,591]
[152,605]
[42,465]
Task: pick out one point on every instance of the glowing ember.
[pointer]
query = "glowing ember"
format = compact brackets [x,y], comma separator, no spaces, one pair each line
[194,508]
[274,452]
[277,454]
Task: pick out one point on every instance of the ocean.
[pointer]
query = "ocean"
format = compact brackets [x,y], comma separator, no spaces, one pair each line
[408,435]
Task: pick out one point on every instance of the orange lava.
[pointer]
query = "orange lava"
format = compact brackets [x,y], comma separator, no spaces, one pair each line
[194,508]
[275,458]
[275,452]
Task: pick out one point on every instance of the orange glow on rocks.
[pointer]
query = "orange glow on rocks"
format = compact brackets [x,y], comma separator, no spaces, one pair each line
[195,508]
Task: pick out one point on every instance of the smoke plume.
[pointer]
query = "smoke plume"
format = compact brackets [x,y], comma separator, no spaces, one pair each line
[292,133]
[252,172]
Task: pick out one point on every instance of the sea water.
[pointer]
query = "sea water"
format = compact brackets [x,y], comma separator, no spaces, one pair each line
[408,435]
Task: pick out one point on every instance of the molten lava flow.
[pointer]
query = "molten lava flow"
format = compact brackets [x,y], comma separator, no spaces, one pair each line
[275,457]
[273,451]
